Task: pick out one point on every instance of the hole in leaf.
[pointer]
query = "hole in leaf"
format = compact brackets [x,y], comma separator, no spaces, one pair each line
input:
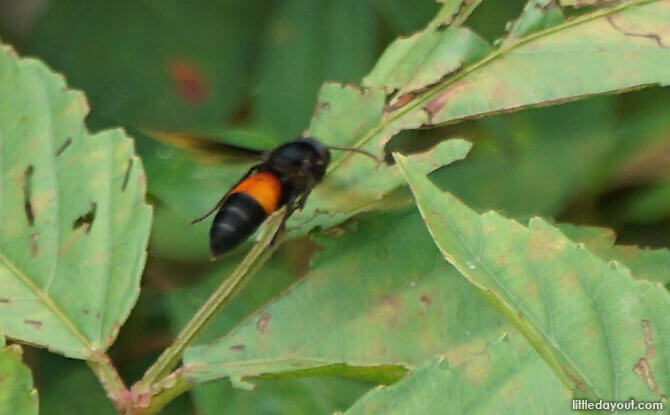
[86,219]
[127,175]
[27,190]
[65,145]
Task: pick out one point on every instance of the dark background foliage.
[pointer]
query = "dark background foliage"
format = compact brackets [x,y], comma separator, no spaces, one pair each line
[248,71]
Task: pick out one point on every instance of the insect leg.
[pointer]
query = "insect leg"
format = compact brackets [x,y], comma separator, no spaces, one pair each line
[292,205]
[220,203]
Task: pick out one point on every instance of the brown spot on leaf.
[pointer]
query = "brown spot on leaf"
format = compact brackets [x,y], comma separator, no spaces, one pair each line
[401,101]
[237,347]
[458,355]
[35,323]
[643,367]
[189,82]
[5,300]
[34,248]
[435,105]
[27,194]
[478,370]
[633,32]
[579,383]
[532,288]
[426,299]
[542,245]
[569,281]
[387,311]
[85,311]
[325,106]
[263,321]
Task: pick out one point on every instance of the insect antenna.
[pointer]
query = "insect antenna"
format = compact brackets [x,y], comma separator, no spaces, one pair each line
[356,150]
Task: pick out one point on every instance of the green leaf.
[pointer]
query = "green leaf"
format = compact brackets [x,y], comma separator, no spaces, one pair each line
[74,221]
[413,63]
[491,85]
[355,183]
[599,330]
[605,51]
[18,396]
[383,307]
[321,395]
[505,378]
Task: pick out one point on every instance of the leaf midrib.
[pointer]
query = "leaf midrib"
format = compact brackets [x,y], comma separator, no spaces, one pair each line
[421,100]
[46,300]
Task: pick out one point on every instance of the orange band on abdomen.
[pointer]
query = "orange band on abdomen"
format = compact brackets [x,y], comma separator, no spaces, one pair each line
[264,187]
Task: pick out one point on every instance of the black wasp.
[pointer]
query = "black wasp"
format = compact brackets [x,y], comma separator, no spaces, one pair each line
[285,177]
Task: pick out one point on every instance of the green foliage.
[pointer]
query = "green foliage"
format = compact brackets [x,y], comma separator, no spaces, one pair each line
[384,306]
[359,294]
[75,224]
[600,331]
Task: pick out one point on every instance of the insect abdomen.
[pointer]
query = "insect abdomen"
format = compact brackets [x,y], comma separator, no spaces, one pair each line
[250,202]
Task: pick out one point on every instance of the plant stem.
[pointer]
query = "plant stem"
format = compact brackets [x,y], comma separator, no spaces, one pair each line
[110,379]
[169,388]
[256,257]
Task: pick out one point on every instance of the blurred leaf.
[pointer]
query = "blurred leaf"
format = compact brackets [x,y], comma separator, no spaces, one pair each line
[186,185]
[368,312]
[308,42]
[644,263]
[550,287]
[406,17]
[507,377]
[173,238]
[648,206]
[155,63]
[18,396]
[74,221]
[71,389]
[523,165]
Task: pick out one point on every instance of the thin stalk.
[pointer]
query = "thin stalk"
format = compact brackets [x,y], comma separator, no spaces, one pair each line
[256,257]
[110,380]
